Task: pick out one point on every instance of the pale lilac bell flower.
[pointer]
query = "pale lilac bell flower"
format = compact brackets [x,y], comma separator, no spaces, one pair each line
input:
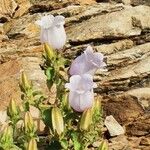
[52,31]
[81,94]
[88,62]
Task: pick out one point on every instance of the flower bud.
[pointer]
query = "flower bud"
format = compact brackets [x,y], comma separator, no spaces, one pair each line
[97,104]
[65,101]
[12,109]
[28,123]
[103,145]
[32,145]
[86,119]
[50,53]
[57,121]
[7,134]
[25,82]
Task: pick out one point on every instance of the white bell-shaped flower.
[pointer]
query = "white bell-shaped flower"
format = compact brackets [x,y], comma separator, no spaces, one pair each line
[88,62]
[81,94]
[52,31]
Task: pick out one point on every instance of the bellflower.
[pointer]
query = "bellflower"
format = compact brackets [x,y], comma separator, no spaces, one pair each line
[52,31]
[88,62]
[81,94]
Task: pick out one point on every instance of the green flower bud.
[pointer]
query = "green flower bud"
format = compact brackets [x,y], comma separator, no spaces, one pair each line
[29,123]
[103,145]
[32,145]
[57,121]
[50,53]
[86,119]
[97,105]
[7,135]
[12,109]
[26,84]
[66,101]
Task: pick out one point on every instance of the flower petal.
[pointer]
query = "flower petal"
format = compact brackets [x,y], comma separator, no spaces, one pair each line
[89,49]
[98,59]
[87,63]
[57,37]
[86,100]
[52,31]
[88,53]
[80,102]
[74,83]
[47,21]
[44,36]
[78,66]
[74,100]
[87,82]
[80,84]
[59,20]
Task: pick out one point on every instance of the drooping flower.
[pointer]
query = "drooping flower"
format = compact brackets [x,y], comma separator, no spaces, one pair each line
[52,31]
[88,62]
[81,94]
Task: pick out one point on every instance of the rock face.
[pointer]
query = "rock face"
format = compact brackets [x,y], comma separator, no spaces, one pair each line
[134,2]
[13,8]
[7,8]
[129,22]
[118,30]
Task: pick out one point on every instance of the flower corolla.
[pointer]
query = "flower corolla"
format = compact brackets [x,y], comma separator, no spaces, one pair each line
[81,94]
[52,31]
[87,63]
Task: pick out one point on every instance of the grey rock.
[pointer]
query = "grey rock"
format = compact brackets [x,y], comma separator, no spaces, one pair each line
[143,96]
[112,25]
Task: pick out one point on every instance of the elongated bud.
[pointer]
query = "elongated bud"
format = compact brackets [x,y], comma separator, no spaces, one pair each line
[24,81]
[50,53]
[32,145]
[66,101]
[86,119]
[28,123]
[7,134]
[12,109]
[97,104]
[57,121]
[103,145]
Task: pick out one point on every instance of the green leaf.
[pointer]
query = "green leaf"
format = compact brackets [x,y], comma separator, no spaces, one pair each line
[37,93]
[46,115]
[14,147]
[64,143]
[50,73]
[49,84]
[75,138]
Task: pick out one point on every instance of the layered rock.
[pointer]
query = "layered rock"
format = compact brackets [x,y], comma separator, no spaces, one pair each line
[121,32]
